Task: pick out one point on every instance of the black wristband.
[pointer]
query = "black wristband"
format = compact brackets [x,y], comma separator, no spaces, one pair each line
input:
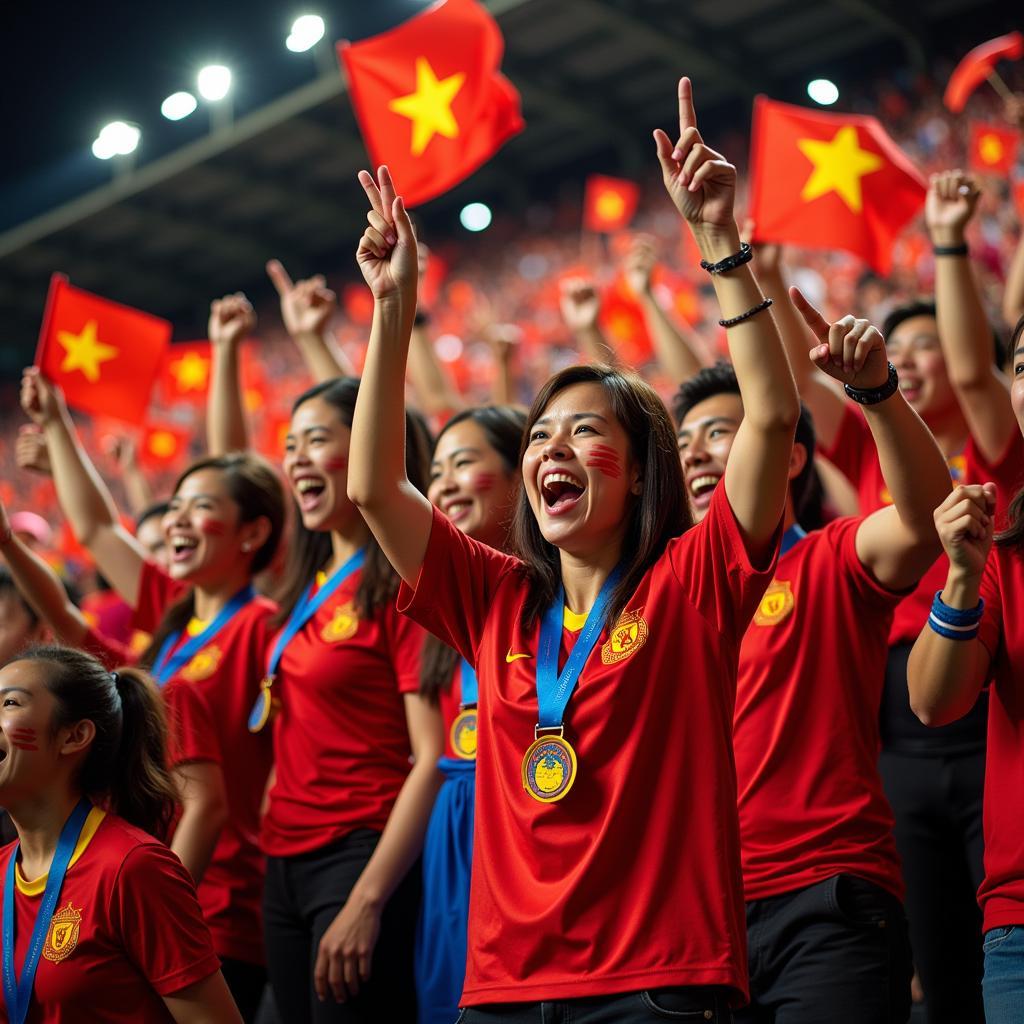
[421,319]
[950,250]
[737,259]
[872,396]
[753,311]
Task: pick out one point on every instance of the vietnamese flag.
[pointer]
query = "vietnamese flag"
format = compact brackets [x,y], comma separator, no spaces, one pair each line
[272,438]
[978,65]
[609,203]
[429,99]
[163,446]
[185,374]
[830,181]
[993,148]
[105,356]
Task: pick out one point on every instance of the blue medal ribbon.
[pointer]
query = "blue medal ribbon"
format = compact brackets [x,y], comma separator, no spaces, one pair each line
[18,991]
[167,665]
[791,538]
[470,689]
[554,689]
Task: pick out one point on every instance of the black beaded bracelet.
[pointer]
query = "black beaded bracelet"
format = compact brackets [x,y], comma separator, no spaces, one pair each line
[753,311]
[950,250]
[872,396]
[737,259]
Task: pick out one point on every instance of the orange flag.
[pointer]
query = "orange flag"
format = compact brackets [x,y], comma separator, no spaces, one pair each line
[185,374]
[609,203]
[830,181]
[993,148]
[104,355]
[429,99]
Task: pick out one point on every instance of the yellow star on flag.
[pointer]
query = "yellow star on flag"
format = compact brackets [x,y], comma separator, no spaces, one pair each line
[839,166]
[85,352]
[430,106]
[610,205]
[163,443]
[191,372]
[991,148]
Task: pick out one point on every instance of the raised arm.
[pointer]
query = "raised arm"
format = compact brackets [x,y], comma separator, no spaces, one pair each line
[399,516]
[677,351]
[231,319]
[945,676]
[580,304]
[306,309]
[702,184]
[136,486]
[964,331]
[899,543]
[81,492]
[1013,293]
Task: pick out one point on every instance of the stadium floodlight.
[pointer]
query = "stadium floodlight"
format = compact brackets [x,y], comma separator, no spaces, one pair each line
[178,105]
[118,138]
[823,92]
[475,217]
[214,82]
[307,31]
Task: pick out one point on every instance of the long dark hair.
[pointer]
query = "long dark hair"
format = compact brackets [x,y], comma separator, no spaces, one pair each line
[1013,535]
[660,512]
[311,550]
[503,426]
[255,488]
[125,769]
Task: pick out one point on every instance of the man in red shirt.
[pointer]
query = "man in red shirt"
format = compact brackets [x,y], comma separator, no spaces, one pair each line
[826,930]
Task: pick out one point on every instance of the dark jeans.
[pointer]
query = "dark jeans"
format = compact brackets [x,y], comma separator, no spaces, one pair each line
[1004,974]
[301,897]
[832,953]
[246,982]
[683,1004]
[937,802]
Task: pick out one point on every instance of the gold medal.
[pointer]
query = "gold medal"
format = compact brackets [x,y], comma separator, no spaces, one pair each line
[266,707]
[549,768]
[463,734]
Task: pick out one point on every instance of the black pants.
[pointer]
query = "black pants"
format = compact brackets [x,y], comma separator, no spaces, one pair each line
[685,1004]
[247,982]
[301,898]
[937,802]
[832,953]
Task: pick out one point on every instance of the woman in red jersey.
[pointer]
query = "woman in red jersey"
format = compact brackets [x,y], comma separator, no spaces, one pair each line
[606,873]
[100,920]
[975,635]
[210,635]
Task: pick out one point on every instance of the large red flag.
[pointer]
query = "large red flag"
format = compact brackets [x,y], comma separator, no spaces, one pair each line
[104,355]
[977,65]
[609,203]
[429,99]
[993,148]
[830,181]
[185,374]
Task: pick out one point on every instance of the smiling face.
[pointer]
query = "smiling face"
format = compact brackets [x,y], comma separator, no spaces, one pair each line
[578,471]
[705,440]
[471,483]
[913,348]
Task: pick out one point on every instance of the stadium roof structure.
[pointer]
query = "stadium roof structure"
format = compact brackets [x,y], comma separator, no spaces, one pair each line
[595,76]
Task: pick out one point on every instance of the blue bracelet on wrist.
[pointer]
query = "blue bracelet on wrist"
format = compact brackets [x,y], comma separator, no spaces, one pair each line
[955,623]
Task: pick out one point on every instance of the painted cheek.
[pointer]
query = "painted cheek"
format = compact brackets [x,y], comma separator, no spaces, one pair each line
[24,738]
[484,482]
[336,463]
[605,460]
[212,528]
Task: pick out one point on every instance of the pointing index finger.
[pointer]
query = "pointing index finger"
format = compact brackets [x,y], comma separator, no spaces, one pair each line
[279,276]
[814,320]
[687,115]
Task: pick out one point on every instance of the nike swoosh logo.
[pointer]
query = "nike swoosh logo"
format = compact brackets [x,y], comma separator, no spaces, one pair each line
[510,657]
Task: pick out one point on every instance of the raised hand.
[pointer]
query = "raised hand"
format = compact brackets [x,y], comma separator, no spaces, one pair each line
[964,523]
[42,401]
[639,264]
[31,451]
[231,319]
[950,204]
[580,303]
[306,306]
[387,251]
[851,351]
[700,181]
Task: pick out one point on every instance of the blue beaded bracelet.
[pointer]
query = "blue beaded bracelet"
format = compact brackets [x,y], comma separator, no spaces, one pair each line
[955,623]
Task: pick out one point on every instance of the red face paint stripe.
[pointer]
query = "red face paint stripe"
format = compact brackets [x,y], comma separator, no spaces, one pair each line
[336,462]
[22,745]
[212,528]
[23,732]
[485,481]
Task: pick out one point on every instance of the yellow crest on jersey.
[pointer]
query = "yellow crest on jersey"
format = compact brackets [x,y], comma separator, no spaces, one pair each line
[343,624]
[776,604]
[62,937]
[203,664]
[628,635]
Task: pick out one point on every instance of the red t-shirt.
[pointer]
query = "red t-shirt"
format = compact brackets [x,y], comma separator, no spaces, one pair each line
[855,455]
[126,932]
[632,881]
[109,652]
[341,743]
[1002,632]
[806,729]
[208,703]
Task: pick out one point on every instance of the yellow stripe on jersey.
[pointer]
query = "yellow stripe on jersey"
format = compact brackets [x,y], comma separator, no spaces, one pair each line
[573,622]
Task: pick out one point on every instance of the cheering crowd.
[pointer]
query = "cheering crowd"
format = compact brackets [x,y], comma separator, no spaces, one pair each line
[608,709]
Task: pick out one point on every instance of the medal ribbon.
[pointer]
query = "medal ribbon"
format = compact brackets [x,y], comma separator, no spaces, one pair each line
[554,689]
[18,992]
[791,538]
[308,605]
[470,689]
[166,665]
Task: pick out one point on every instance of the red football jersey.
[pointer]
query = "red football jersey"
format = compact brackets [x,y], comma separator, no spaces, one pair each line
[208,703]
[1002,632]
[805,734]
[633,880]
[108,651]
[126,932]
[341,744]
[855,455]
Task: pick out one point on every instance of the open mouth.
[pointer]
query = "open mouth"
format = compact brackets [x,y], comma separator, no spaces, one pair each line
[561,491]
[309,490]
[702,487]
[911,389]
[3,755]
[182,548]
[457,510]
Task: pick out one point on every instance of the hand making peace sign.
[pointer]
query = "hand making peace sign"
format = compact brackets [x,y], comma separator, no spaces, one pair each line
[387,250]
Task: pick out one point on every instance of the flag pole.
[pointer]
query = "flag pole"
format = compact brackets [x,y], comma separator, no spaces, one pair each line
[999,85]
